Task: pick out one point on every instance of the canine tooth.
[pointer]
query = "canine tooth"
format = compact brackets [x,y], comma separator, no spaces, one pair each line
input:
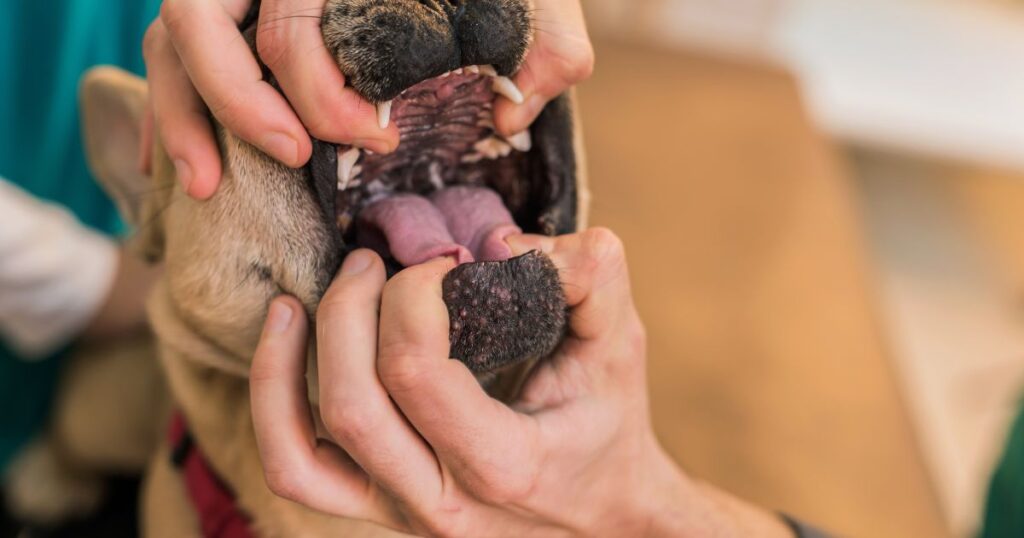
[506,87]
[489,70]
[445,74]
[384,114]
[458,71]
[346,164]
[521,141]
[473,69]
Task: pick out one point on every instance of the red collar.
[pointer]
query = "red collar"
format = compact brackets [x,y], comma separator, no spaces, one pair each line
[219,514]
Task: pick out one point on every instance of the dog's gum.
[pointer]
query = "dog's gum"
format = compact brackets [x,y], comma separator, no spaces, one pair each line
[503,313]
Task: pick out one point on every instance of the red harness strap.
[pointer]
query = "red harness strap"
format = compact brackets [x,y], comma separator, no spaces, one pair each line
[219,515]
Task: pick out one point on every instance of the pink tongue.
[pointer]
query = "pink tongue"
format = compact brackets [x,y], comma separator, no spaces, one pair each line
[477,219]
[414,229]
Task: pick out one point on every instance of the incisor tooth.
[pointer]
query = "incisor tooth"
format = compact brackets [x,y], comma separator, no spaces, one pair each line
[489,70]
[492,148]
[506,87]
[475,69]
[384,114]
[521,141]
[458,71]
[346,162]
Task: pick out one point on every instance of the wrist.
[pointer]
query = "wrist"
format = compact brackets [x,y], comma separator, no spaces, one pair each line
[682,507]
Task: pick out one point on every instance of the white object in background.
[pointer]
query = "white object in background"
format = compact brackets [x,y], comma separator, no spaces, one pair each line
[932,77]
[54,273]
[935,78]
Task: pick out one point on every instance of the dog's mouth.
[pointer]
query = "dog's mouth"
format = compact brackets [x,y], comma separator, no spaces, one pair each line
[454,186]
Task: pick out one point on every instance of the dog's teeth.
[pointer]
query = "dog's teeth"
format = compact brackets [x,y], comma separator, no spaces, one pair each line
[521,141]
[506,87]
[346,164]
[474,157]
[458,71]
[492,148]
[445,74]
[384,114]
[475,69]
[489,70]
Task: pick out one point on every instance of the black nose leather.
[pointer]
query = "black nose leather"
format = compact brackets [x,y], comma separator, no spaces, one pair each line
[488,33]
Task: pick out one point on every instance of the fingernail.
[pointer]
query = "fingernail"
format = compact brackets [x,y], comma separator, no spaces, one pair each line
[356,262]
[279,317]
[282,147]
[184,173]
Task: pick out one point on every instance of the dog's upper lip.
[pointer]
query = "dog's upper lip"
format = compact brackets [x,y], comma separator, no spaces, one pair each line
[501,85]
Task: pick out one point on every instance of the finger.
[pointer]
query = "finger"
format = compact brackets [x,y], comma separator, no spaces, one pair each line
[291,43]
[592,267]
[487,446]
[295,466]
[180,117]
[227,76]
[561,56]
[355,407]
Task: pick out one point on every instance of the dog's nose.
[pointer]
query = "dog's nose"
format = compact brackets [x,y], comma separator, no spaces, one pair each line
[487,33]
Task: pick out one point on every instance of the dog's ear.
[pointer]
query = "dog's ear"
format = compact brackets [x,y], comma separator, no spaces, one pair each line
[113,103]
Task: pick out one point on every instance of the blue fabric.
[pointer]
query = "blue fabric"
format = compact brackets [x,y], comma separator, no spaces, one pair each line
[45,47]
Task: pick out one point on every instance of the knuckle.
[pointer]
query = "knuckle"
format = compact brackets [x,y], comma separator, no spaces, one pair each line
[273,46]
[334,304]
[348,422]
[172,13]
[601,245]
[285,483]
[230,109]
[400,370]
[508,488]
[582,65]
[321,127]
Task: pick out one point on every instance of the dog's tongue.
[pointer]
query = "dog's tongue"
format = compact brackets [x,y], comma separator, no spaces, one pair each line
[467,223]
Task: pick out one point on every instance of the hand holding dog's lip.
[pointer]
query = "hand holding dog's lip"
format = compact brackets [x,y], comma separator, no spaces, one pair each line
[197,61]
[560,56]
[435,454]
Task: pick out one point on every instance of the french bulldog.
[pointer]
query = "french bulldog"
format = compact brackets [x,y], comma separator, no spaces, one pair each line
[454,187]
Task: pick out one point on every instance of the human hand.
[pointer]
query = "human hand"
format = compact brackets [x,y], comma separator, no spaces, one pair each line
[560,56]
[574,455]
[198,62]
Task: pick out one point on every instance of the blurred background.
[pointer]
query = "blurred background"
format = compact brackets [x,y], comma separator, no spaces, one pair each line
[823,205]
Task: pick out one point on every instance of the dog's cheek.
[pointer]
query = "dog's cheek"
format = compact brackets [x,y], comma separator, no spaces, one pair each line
[504,313]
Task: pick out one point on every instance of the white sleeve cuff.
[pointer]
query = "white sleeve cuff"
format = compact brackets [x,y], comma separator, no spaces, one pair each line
[54,274]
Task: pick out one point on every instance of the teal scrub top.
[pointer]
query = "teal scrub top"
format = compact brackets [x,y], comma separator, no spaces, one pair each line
[45,47]
[1004,509]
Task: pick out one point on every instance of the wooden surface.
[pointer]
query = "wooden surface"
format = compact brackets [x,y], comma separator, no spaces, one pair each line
[769,373]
